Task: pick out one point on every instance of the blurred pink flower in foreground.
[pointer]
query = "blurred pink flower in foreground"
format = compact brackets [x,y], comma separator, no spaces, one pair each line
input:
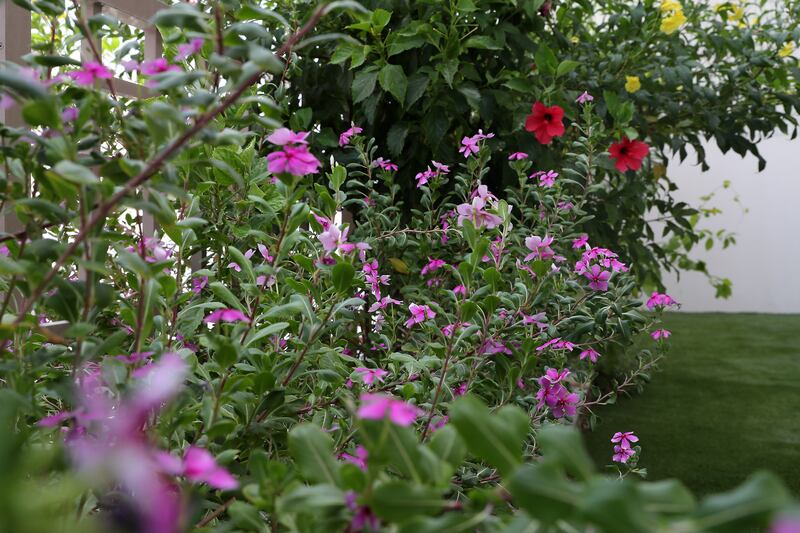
[379,406]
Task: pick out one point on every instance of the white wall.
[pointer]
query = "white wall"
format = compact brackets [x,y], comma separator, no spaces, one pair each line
[764,265]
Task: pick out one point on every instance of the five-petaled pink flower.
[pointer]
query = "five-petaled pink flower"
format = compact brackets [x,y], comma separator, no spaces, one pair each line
[539,247]
[379,406]
[384,164]
[185,51]
[598,278]
[477,214]
[546,179]
[469,145]
[344,137]
[419,313]
[580,242]
[624,439]
[660,300]
[283,136]
[661,334]
[584,98]
[591,353]
[226,315]
[622,455]
[433,265]
[370,375]
[90,72]
[517,156]
[294,160]
[157,66]
[359,459]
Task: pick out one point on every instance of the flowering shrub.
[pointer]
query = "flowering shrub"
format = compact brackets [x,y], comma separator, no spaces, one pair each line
[263,361]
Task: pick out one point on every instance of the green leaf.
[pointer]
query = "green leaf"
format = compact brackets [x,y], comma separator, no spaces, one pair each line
[417,83]
[565,445]
[310,498]
[566,66]
[388,443]
[546,61]
[363,85]
[396,138]
[75,173]
[398,501]
[393,80]
[313,451]
[41,113]
[224,293]
[745,508]
[544,492]
[666,496]
[495,437]
[380,18]
[342,276]
[448,446]
[615,506]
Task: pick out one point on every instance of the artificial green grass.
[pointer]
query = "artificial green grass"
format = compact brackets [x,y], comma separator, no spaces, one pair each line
[724,403]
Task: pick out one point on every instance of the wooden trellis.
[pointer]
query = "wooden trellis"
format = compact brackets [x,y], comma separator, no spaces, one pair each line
[15,43]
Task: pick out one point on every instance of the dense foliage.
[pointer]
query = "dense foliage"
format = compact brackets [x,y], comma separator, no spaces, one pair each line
[287,350]
[420,75]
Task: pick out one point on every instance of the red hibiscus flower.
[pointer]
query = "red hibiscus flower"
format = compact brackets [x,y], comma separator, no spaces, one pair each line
[628,154]
[545,122]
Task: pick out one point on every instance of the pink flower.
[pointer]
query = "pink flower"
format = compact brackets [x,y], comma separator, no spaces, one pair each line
[580,242]
[424,177]
[226,315]
[379,406]
[492,346]
[539,320]
[584,98]
[333,238]
[157,66]
[130,65]
[622,455]
[359,459]
[556,344]
[6,102]
[433,265]
[546,179]
[419,313]
[786,524]
[370,375]
[344,137]
[660,300]
[469,145]
[460,289]
[624,439]
[187,50]
[517,156]
[200,466]
[539,247]
[90,72]
[384,164]
[198,283]
[661,334]
[598,278]
[283,136]
[295,160]
[591,353]
[476,214]
[69,114]
[460,390]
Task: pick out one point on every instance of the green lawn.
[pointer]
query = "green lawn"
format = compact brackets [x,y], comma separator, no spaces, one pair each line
[725,403]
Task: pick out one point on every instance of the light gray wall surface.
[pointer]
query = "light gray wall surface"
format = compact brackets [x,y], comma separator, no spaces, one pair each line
[764,265]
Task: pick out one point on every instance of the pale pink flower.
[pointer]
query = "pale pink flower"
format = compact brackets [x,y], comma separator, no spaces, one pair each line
[419,313]
[539,247]
[283,136]
[333,238]
[476,214]
[6,102]
[584,98]
[189,49]
[469,145]
[379,406]
[441,168]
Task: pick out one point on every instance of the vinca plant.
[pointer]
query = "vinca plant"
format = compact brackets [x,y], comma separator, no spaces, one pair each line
[211,321]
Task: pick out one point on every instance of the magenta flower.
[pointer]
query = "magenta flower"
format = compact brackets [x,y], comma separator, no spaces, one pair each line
[6,102]
[556,344]
[580,242]
[469,145]
[622,455]
[370,375]
[419,313]
[226,315]
[384,164]
[379,406]
[294,160]
[69,114]
[433,265]
[158,66]
[198,283]
[344,137]
[624,439]
[90,72]
[661,334]
[517,156]
[539,247]
[333,238]
[189,49]
[546,178]
[598,278]
[284,136]
[460,390]
[584,98]
[460,290]
[660,300]
[200,466]
[591,353]
[359,459]
[786,524]
[492,346]
[424,177]
[555,395]
[539,320]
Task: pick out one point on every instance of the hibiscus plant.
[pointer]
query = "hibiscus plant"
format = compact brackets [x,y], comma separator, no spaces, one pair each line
[215,319]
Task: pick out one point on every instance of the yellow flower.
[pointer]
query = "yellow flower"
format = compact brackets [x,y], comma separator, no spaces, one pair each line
[574,39]
[632,84]
[787,49]
[670,24]
[670,5]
